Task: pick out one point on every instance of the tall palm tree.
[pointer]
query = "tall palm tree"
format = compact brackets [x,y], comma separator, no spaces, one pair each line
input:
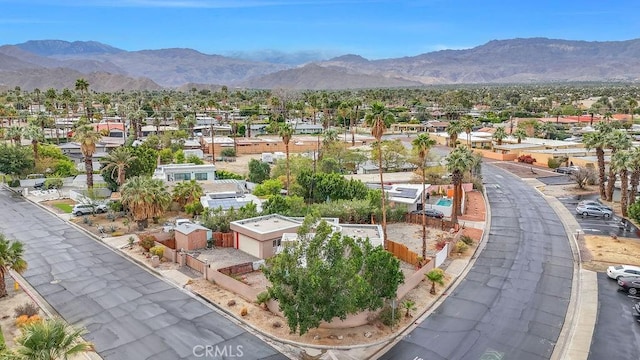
[377,118]
[82,85]
[10,259]
[621,162]
[453,130]
[88,138]
[52,339]
[467,123]
[461,159]
[117,162]
[615,140]
[421,146]
[633,104]
[145,198]
[14,133]
[286,132]
[635,172]
[597,140]
[36,135]
[499,135]
[520,134]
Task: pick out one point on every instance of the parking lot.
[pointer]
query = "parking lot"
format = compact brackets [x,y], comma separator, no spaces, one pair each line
[617,335]
[592,225]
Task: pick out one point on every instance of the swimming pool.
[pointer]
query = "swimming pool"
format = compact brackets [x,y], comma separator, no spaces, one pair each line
[444,202]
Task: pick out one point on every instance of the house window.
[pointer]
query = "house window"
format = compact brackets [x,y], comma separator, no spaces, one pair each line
[276,243]
[182,176]
[202,176]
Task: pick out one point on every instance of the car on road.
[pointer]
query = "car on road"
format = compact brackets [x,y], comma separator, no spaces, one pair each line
[594,203]
[630,285]
[568,169]
[85,209]
[592,210]
[618,271]
[636,307]
[433,213]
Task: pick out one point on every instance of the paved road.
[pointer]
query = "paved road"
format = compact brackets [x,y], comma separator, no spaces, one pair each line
[129,312]
[513,301]
[617,334]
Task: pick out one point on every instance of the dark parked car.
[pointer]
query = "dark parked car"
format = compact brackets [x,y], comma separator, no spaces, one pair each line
[630,285]
[430,213]
[39,185]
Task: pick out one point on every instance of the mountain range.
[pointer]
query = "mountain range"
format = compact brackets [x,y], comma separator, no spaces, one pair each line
[57,64]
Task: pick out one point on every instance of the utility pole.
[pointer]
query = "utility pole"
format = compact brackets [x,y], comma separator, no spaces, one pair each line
[213,149]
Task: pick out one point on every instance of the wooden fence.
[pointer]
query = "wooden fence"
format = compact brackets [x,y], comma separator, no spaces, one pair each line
[223,239]
[441,224]
[195,264]
[402,252]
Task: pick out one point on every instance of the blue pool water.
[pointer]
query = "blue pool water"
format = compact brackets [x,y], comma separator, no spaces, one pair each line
[444,202]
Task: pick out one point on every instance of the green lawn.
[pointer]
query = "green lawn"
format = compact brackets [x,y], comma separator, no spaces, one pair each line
[64,207]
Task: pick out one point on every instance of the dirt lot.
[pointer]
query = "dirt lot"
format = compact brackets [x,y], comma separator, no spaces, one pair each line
[604,251]
[240,166]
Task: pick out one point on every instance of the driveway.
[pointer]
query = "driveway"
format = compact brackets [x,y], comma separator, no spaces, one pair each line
[130,313]
[617,334]
[513,301]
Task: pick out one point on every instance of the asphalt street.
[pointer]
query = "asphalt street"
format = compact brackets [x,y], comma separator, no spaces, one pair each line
[617,334]
[513,301]
[130,313]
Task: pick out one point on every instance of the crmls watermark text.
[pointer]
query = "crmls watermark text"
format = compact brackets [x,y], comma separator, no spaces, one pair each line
[217,351]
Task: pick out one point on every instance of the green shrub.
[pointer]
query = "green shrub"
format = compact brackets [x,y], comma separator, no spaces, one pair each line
[224,174]
[553,163]
[263,298]
[461,247]
[194,208]
[228,152]
[3,345]
[53,183]
[157,250]
[14,183]
[147,241]
[467,240]
[388,317]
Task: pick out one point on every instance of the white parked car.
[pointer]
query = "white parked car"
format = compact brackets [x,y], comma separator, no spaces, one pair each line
[85,209]
[618,271]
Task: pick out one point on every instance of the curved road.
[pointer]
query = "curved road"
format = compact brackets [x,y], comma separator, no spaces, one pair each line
[513,301]
[130,313]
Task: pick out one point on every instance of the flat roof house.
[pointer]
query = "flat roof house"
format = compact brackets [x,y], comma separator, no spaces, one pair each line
[185,172]
[260,236]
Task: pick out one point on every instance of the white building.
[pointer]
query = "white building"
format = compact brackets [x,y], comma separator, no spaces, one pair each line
[185,172]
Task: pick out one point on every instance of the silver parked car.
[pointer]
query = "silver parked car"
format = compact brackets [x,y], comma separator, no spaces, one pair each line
[592,210]
[85,209]
[594,203]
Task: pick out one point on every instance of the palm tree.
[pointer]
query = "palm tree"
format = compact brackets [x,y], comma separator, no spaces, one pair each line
[118,161]
[621,161]
[436,276]
[87,137]
[82,85]
[635,172]
[52,339]
[286,132]
[145,198]
[378,117]
[520,134]
[421,146]
[615,140]
[453,130]
[499,135]
[597,140]
[186,192]
[467,123]
[36,135]
[461,159]
[10,259]
[633,104]
[14,133]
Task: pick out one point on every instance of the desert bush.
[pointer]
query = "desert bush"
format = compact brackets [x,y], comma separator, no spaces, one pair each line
[24,320]
[467,240]
[157,250]
[388,317]
[244,311]
[228,152]
[147,241]
[461,247]
[553,163]
[14,183]
[440,243]
[263,298]
[53,183]
[28,309]
[527,159]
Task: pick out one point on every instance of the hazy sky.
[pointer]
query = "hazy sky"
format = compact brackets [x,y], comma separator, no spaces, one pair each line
[372,28]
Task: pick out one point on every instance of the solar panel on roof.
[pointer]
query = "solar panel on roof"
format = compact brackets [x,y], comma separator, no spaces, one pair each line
[406,193]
